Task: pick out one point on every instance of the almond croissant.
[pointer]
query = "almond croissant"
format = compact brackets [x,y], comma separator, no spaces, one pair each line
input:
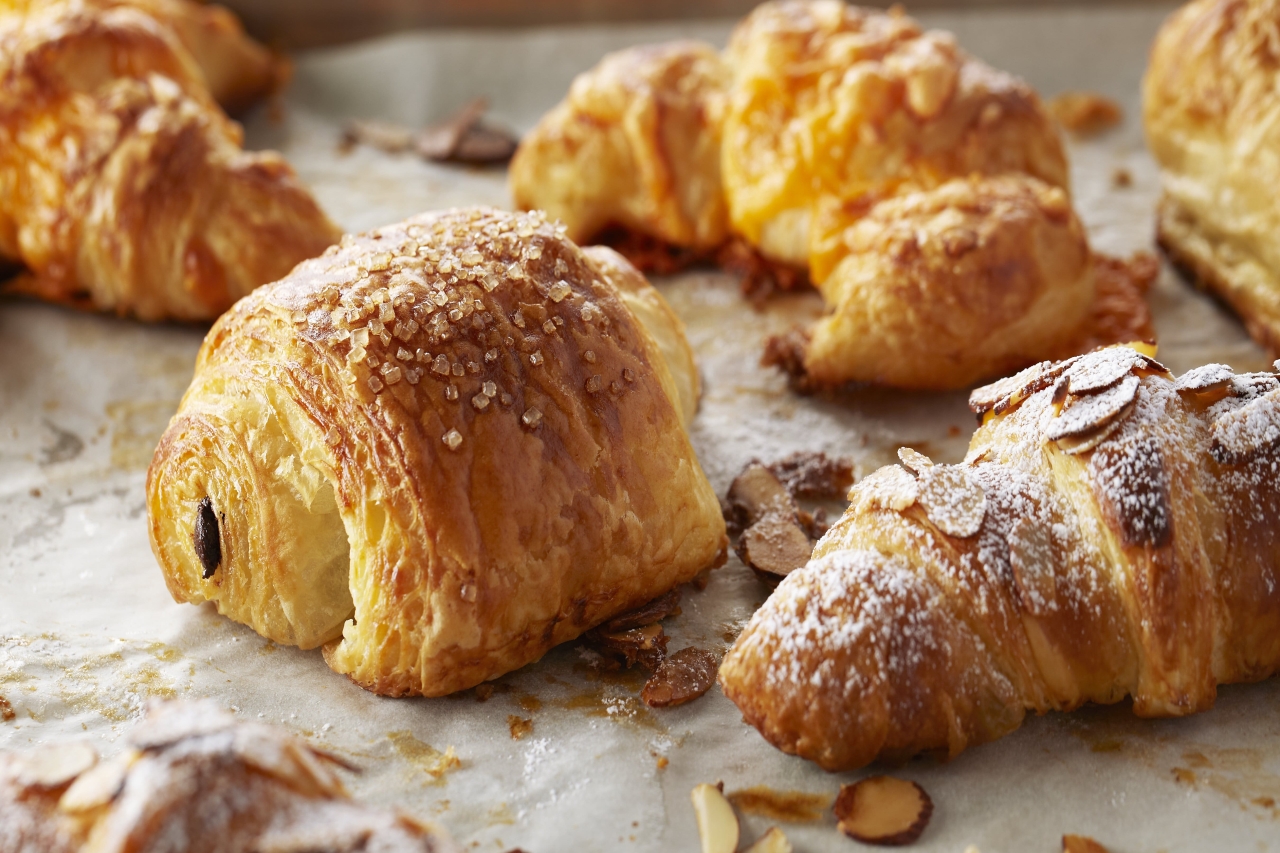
[123,186]
[196,779]
[924,193]
[1110,533]
[437,451]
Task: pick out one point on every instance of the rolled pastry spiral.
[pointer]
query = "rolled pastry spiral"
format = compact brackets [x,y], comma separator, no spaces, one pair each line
[925,193]
[194,778]
[123,186]
[438,450]
[1110,533]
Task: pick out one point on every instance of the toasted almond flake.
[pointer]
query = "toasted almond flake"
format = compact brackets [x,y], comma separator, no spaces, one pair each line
[914,461]
[883,810]
[1248,431]
[1205,379]
[953,500]
[1086,414]
[55,765]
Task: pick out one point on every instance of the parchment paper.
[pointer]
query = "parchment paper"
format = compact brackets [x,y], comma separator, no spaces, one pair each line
[88,632]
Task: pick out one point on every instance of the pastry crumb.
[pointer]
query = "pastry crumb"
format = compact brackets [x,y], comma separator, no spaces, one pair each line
[1085,113]
[6,710]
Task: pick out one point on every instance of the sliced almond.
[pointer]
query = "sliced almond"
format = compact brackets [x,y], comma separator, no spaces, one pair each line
[776,545]
[1087,414]
[758,492]
[97,786]
[953,500]
[1105,368]
[55,765]
[1081,844]
[914,461]
[1250,385]
[645,646]
[986,398]
[717,824]
[805,474]
[772,841]
[1204,380]
[891,487]
[682,677]
[647,614]
[1074,445]
[1248,431]
[883,810]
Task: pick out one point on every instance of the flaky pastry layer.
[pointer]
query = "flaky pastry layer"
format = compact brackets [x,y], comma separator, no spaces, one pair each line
[437,450]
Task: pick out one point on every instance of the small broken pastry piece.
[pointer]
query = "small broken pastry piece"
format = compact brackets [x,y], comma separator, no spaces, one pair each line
[636,145]
[194,772]
[883,810]
[1085,113]
[1210,87]
[127,189]
[1081,844]
[437,451]
[1110,533]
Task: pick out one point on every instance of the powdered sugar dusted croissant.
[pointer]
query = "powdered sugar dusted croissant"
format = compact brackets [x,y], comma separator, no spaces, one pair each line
[194,778]
[1111,532]
[438,450]
[124,186]
[924,193]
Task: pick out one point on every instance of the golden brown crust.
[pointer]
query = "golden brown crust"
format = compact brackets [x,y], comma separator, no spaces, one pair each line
[124,186]
[194,778]
[834,104]
[636,144]
[1208,97]
[847,137]
[453,430]
[1108,534]
[941,288]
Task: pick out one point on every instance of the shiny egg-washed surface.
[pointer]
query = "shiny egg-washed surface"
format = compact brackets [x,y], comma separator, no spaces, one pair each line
[89,631]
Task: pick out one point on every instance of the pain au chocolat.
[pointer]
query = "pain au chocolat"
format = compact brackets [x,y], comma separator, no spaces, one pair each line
[437,451]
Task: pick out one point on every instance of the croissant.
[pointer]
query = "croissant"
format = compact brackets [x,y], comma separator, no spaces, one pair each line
[438,451]
[194,778]
[924,193]
[123,186]
[1208,94]
[237,70]
[1111,532]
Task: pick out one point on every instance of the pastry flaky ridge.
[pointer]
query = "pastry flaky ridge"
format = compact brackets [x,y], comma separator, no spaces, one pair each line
[1110,532]
[438,450]
[193,778]
[123,185]
[1210,93]
[925,193]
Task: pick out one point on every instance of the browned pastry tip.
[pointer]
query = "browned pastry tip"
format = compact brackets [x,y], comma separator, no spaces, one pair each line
[1110,533]
[437,451]
[195,773]
[145,205]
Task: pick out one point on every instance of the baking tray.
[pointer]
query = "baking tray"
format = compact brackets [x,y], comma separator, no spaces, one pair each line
[88,633]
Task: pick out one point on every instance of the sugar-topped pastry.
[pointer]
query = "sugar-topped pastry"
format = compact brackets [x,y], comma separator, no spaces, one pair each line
[437,451]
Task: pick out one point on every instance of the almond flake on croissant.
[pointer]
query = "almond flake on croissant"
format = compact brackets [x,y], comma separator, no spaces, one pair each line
[925,193]
[438,450]
[1110,533]
[196,779]
[125,188]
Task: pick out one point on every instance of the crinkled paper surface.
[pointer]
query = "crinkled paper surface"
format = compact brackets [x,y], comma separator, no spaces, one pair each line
[88,632]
